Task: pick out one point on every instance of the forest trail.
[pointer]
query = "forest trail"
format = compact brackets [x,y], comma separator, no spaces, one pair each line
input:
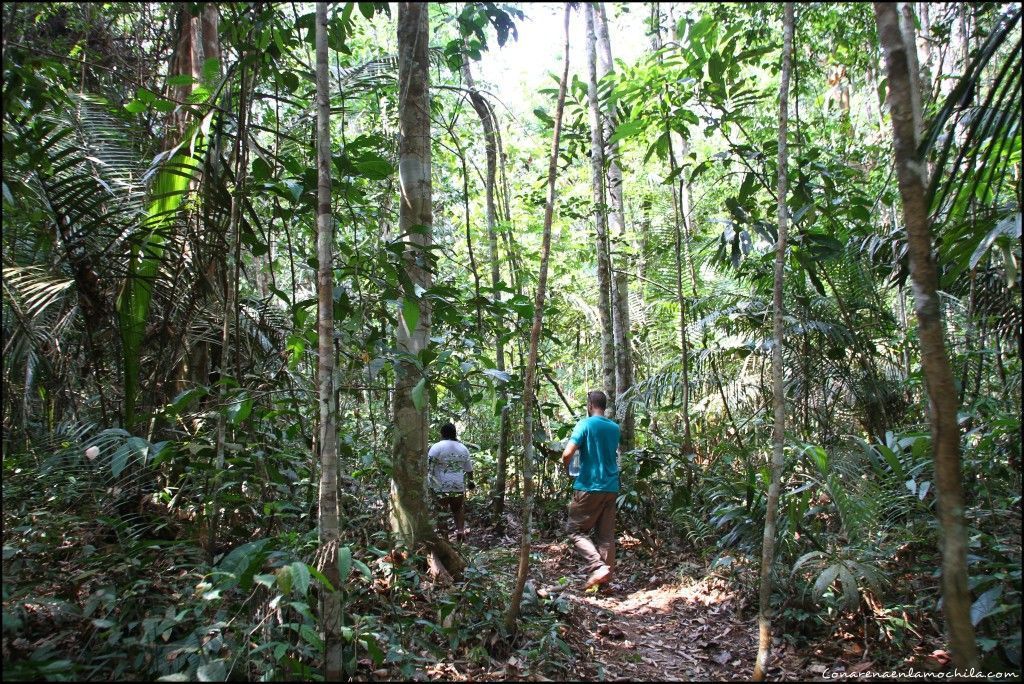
[649,624]
[661,618]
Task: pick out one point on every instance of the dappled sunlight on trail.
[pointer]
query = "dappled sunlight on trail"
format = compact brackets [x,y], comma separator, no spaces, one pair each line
[649,624]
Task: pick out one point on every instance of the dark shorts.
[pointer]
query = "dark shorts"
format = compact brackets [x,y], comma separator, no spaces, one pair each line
[451,503]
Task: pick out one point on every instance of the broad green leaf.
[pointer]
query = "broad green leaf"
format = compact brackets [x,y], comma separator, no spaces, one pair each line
[375,169]
[373,648]
[310,636]
[239,409]
[716,67]
[242,562]
[986,604]
[284,578]
[850,595]
[419,399]
[303,609]
[300,577]
[135,106]
[410,313]
[362,567]
[185,398]
[893,461]
[1010,227]
[498,374]
[133,447]
[700,28]
[161,451]
[119,460]
[627,129]
[806,557]
[825,580]
[265,580]
[296,346]
[320,577]
[165,198]
[344,562]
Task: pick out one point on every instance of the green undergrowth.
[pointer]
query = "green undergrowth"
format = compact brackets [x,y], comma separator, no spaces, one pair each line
[92,594]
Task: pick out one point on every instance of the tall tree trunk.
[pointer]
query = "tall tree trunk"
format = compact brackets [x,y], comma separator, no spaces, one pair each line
[229,285]
[531,363]
[195,368]
[195,35]
[410,515]
[604,275]
[909,34]
[617,227]
[330,532]
[483,110]
[684,344]
[778,388]
[655,26]
[956,598]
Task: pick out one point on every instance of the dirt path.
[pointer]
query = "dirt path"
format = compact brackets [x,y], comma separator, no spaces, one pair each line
[662,618]
[649,624]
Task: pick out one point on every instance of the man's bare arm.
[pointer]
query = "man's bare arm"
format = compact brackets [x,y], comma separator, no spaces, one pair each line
[570,449]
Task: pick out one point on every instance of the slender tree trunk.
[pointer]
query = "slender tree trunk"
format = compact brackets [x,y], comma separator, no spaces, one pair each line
[924,50]
[330,532]
[604,275]
[469,233]
[956,597]
[410,515]
[210,21]
[655,26]
[684,344]
[909,34]
[617,227]
[483,110]
[512,615]
[198,40]
[230,310]
[778,388]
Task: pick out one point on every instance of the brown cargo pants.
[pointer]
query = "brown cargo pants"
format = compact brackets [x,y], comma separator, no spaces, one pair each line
[589,510]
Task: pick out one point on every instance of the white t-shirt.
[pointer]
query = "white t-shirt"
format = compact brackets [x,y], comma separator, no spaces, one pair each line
[447,463]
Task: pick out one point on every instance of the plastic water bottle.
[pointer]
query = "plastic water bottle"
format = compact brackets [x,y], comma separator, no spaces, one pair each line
[574,464]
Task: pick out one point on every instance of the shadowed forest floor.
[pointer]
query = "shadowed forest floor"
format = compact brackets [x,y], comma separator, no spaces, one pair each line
[649,624]
[663,617]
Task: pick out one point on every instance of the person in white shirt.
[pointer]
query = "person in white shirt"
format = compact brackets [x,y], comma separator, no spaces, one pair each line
[449,474]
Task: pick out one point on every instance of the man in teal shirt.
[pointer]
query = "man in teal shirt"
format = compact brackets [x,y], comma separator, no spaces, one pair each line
[596,438]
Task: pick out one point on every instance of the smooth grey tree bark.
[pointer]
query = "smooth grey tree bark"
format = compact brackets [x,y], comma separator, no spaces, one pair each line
[604,274]
[487,120]
[410,514]
[778,388]
[330,530]
[512,616]
[617,228]
[911,174]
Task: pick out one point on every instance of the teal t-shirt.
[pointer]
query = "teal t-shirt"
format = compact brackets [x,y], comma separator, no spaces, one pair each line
[598,440]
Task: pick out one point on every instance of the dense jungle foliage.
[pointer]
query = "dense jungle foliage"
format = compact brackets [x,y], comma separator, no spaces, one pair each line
[169,409]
